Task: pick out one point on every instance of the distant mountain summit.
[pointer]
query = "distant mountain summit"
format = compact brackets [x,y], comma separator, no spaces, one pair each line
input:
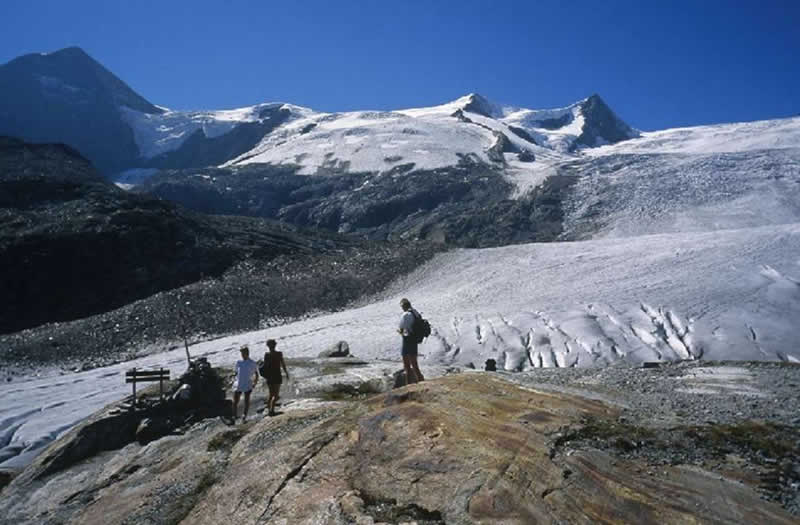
[69,97]
[78,78]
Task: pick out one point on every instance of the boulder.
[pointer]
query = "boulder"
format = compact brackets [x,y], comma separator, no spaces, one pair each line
[400,379]
[526,156]
[5,478]
[340,349]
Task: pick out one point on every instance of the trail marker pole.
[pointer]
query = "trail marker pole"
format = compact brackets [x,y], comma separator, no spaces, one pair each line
[182,316]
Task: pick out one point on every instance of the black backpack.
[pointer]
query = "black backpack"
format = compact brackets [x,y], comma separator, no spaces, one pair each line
[421,327]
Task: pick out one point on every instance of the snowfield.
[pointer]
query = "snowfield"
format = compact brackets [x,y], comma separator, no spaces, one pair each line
[717,138]
[727,176]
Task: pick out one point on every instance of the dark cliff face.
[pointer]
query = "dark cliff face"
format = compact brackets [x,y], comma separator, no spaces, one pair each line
[479,105]
[602,126]
[467,205]
[72,244]
[68,97]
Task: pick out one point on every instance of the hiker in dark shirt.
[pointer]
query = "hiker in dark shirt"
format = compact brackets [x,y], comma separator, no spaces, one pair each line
[409,349]
[273,362]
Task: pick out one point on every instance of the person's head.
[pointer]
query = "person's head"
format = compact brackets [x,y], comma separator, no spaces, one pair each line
[245,352]
[271,344]
[405,304]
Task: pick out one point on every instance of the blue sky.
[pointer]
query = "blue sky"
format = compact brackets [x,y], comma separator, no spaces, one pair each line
[658,63]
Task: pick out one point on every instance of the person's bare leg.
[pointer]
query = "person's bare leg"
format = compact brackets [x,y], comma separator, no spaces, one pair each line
[272,398]
[236,396]
[415,366]
[410,375]
[246,404]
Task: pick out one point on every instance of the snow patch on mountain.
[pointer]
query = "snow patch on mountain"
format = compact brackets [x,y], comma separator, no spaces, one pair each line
[370,141]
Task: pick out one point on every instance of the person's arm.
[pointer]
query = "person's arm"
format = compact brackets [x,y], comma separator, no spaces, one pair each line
[283,364]
[405,326]
[255,373]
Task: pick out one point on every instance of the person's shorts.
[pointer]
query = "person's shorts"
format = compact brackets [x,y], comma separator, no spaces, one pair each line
[242,391]
[409,347]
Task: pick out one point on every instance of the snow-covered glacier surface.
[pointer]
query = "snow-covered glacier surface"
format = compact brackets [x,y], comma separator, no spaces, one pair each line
[626,194]
[732,294]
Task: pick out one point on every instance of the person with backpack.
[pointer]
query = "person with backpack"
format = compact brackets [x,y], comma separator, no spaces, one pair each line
[271,372]
[244,381]
[412,328]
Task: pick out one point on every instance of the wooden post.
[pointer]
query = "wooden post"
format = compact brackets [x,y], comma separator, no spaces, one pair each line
[161,384]
[134,389]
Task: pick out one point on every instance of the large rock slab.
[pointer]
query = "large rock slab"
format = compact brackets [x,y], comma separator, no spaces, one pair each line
[464,448]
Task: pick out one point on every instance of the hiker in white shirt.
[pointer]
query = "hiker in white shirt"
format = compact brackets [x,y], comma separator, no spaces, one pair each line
[409,349]
[246,379]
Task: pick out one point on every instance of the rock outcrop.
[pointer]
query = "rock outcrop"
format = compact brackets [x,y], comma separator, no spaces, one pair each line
[466,448]
[340,349]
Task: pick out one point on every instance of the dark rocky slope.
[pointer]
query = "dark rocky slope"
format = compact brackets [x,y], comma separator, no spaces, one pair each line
[72,245]
[468,205]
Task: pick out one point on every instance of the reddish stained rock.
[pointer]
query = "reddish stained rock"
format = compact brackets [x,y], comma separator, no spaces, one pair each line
[468,448]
